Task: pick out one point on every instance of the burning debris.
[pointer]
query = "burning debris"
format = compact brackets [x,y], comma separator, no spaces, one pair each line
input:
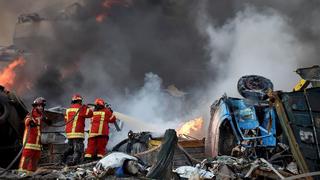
[254,150]
[192,128]
[94,46]
[8,75]
[107,5]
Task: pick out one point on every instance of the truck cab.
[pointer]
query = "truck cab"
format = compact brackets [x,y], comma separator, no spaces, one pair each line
[257,124]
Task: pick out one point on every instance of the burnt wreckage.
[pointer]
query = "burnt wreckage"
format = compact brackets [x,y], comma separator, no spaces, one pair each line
[266,129]
[281,127]
[12,113]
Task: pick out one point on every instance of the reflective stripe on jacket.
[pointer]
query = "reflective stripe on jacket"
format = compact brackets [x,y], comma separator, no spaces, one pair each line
[33,141]
[75,129]
[99,122]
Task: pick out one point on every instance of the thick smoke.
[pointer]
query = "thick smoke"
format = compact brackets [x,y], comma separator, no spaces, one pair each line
[260,38]
[202,47]
[155,109]
[152,103]
[111,58]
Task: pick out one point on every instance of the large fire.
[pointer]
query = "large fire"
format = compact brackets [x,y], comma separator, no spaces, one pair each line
[106,5]
[7,75]
[191,128]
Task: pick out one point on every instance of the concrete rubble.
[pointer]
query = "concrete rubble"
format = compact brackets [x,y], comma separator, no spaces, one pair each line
[256,150]
[120,165]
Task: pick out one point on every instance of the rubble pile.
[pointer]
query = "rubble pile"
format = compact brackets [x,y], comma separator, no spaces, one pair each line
[268,135]
[121,165]
[159,162]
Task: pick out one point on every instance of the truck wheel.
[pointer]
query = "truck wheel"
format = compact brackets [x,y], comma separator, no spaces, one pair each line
[19,105]
[254,87]
[227,140]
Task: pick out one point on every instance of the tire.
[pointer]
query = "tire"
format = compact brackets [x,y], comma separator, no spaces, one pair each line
[254,87]
[19,105]
[15,121]
[227,140]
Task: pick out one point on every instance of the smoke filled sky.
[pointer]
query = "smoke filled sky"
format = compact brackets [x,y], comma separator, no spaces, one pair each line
[141,47]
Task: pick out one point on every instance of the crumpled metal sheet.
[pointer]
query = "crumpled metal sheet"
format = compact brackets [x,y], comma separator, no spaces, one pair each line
[310,73]
[114,160]
[190,171]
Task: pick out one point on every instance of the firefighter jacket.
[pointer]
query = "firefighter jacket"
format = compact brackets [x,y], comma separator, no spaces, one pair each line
[32,131]
[99,122]
[75,120]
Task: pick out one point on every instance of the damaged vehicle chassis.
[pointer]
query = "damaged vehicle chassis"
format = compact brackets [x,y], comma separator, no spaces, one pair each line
[238,122]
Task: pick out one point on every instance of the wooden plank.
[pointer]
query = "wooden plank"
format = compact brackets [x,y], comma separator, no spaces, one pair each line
[191,143]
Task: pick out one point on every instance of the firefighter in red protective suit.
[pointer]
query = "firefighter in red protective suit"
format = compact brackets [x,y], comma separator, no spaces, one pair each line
[31,138]
[99,132]
[75,122]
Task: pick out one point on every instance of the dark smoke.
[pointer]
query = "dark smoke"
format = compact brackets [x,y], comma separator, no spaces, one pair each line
[147,36]
[196,45]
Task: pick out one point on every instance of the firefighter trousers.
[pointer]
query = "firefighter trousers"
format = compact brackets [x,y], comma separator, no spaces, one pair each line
[96,146]
[29,160]
[74,152]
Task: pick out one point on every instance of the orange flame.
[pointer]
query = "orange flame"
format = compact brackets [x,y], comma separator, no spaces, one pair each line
[191,127]
[7,75]
[109,3]
[101,17]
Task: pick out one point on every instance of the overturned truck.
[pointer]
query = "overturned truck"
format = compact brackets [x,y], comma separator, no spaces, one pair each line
[12,113]
[282,127]
[265,127]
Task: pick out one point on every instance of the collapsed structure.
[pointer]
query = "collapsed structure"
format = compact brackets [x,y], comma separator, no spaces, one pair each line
[281,127]
[270,134]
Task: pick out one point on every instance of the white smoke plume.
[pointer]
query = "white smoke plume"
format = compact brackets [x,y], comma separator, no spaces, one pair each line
[260,42]
[203,52]
[151,108]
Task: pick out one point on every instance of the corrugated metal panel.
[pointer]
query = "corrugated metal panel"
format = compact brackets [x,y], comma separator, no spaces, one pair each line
[303,110]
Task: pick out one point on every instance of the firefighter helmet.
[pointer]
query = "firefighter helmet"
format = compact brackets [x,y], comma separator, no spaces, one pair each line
[99,102]
[76,97]
[39,101]
[130,134]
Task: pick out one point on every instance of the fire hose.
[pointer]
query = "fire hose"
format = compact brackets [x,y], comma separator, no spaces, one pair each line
[71,120]
[108,106]
[18,155]
[27,137]
[24,144]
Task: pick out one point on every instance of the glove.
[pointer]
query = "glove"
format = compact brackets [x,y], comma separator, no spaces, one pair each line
[47,120]
[110,109]
[44,118]
[32,124]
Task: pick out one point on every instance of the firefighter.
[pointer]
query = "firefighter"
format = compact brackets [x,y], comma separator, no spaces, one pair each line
[31,138]
[75,122]
[99,132]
